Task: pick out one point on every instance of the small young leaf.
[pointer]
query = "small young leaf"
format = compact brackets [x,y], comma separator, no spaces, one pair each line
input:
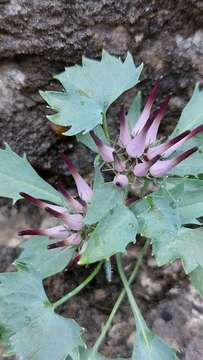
[89,90]
[105,197]
[17,175]
[113,233]
[46,261]
[134,111]
[27,314]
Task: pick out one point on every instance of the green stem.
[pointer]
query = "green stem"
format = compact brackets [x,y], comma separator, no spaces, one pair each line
[78,288]
[135,308]
[119,300]
[105,126]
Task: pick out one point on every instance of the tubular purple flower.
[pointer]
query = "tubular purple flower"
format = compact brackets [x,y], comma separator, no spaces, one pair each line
[145,114]
[121,181]
[162,167]
[73,239]
[57,232]
[119,165]
[106,151]
[74,221]
[124,136]
[74,203]
[168,147]
[42,204]
[158,116]
[143,168]
[137,145]
[84,190]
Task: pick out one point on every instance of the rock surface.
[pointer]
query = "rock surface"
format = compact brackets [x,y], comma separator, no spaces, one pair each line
[38,38]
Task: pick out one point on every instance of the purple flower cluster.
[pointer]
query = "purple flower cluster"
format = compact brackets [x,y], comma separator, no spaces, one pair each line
[70,232]
[139,145]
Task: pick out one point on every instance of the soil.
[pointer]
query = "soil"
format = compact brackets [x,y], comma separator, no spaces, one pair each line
[169,304]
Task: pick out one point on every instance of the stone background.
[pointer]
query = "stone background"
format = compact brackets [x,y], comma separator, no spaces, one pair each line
[39,37]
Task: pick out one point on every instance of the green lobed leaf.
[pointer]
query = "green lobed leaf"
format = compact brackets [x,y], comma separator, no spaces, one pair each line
[196,277]
[193,165]
[149,346]
[185,245]
[46,261]
[89,90]
[188,196]
[17,175]
[113,233]
[160,216]
[37,332]
[192,114]
[191,117]
[105,197]
[90,354]
[134,110]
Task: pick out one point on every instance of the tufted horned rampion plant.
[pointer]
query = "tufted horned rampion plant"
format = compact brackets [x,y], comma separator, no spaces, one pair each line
[142,184]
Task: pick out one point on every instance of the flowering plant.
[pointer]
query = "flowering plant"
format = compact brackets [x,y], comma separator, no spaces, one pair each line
[142,185]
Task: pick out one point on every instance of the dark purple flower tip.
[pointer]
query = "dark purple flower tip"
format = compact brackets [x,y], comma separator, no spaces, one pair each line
[145,114]
[168,147]
[70,165]
[142,169]
[57,244]
[106,151]
[162,167]
[185,155]
[84,190]
[31,232]
[157,117]
[195,131]
[55,213]
[41,204]
[74,203]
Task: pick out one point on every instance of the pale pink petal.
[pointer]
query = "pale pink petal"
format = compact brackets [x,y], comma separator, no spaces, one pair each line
[143,168]
[124,136]
[106,151]
[136,146]
[57,232]
[119,165]
[84,190]
[145,114]
[42,204]
[74,221]
[74,203]
[168,147]
[121,181]
[162,167]
[153,130]
[73,239]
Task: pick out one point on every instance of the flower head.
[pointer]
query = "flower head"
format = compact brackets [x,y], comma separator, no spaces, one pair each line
[71,217]
[137,152]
